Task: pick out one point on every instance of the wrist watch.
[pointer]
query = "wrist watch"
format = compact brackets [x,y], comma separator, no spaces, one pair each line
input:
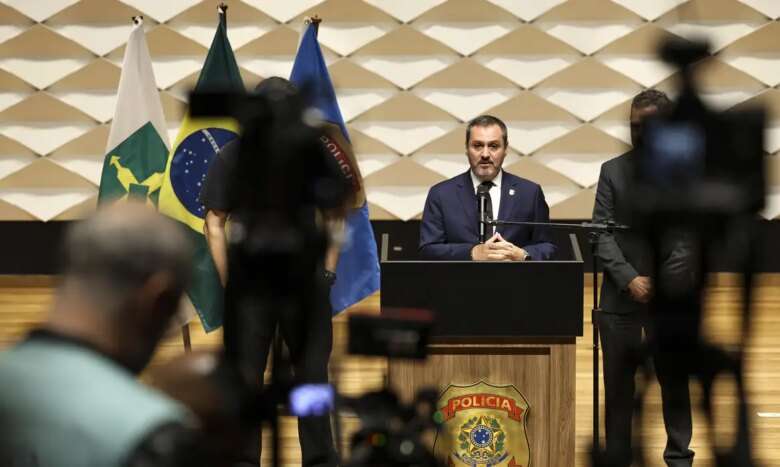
[527,256]
[330,277]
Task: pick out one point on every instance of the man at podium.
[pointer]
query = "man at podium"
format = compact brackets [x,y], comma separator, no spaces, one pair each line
[450,228]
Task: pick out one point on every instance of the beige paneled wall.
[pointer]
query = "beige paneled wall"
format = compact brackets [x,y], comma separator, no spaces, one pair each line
[408,73]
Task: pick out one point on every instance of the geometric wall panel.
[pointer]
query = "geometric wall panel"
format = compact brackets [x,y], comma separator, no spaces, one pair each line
[771,8]
[272,54]
[98,25]
[12,23]
[636,56]
[162,11]
[99,106]
[80,211]
[721,22]
[390,124]
[446,165]
[557,187]
[466,89]
[466,25]
[405,137]
[348,24]
[757,54]
[403,202]
[41,56]
[579,206]
[405,56]
[587,38]
[579,154]
[527,10]
[283,11]
[466,38]
[13,163]
[358,89]
[719,35]
[245,23]
[650,10]
[46,203]
[89,167]
[405,10]
[63,123]
[371,163]
[43,173]
[466,104]
[527,56]
[405,70]
[587,89]
[40,10]
[408,75]
[353,102]
[588,25]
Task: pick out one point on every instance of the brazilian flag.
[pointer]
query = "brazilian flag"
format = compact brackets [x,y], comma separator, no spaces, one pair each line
[197,144]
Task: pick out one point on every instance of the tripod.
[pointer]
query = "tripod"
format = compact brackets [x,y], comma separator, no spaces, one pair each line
[594,230]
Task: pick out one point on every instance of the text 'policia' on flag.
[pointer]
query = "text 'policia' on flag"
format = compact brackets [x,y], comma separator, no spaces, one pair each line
[197,144]
[358,265]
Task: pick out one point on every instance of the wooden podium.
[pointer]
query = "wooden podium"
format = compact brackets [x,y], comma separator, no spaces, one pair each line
[502,324]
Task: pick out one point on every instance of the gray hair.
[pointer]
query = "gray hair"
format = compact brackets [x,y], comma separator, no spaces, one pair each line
[120,247]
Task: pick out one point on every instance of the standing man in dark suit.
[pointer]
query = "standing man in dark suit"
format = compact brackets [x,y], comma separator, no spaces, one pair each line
[450,224]
[626,290]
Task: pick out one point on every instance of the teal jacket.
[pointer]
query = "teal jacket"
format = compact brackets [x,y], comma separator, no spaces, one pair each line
[66,405]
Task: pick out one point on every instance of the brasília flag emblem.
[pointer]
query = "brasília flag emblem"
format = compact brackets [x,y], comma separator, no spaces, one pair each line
[137,146]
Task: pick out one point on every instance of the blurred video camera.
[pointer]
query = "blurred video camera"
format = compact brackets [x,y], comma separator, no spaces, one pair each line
[392,432]
[699,166]
[698,188]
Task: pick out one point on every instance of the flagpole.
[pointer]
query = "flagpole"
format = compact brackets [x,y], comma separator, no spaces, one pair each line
[185,337]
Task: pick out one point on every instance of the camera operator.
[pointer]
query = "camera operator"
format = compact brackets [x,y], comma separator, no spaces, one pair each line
[229,193]
[625,294]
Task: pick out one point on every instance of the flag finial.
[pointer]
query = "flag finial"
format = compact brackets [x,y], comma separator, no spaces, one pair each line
[312,20]
[222,8]
[138,20]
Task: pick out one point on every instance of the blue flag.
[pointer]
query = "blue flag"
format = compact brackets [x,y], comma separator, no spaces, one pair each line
[358,268]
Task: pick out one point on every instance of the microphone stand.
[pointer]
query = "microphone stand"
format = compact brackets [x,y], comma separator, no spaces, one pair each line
[593,229]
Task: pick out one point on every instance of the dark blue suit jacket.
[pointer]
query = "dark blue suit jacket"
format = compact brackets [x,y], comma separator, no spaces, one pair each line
[450,227]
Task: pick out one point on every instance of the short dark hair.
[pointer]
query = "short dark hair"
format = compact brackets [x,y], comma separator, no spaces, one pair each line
[652,98]
[486,120]
[276,85]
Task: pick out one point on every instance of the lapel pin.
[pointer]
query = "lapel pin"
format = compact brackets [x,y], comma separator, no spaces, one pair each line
[511,192]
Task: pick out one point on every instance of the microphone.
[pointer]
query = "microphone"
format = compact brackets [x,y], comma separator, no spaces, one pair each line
[482,195]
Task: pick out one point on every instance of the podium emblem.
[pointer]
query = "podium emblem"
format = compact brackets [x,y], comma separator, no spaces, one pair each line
[482,425]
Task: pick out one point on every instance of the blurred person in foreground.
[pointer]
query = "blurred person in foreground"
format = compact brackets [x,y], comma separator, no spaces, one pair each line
[68,391]
[626,291]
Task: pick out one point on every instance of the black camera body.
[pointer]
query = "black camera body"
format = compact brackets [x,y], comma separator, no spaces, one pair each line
[698,186]
[698,166]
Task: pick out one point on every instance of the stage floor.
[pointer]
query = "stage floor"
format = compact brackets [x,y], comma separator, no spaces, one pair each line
[24,302]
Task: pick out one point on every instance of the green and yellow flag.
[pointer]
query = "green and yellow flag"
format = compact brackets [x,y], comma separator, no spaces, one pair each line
[137,146]
[197,144]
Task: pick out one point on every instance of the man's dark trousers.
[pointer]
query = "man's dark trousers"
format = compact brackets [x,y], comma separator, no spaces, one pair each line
[310,341]
[621,341]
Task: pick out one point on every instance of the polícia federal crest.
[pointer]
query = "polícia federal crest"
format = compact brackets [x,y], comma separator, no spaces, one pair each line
[483,425]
